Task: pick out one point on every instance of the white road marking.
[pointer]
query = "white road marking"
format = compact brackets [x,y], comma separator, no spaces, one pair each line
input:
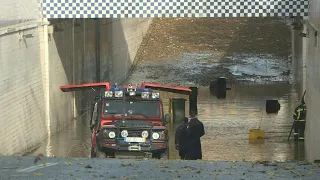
[33,168]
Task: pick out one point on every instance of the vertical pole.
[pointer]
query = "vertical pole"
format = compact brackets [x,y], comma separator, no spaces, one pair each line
[193,100]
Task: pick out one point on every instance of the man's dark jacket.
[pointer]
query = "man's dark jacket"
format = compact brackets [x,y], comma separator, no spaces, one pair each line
[181,137]
[195,131]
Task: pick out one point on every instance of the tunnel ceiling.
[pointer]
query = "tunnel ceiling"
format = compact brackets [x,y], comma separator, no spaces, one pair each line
[173,8]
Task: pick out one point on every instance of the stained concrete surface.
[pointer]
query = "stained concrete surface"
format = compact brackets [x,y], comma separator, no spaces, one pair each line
[68,168]
[313,84]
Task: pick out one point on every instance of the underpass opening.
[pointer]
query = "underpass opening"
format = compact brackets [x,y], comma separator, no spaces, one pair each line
[38,57]
[253,53]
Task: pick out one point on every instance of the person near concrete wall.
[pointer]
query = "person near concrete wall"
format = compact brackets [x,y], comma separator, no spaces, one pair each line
[195,132]
[181,139]
[299,116]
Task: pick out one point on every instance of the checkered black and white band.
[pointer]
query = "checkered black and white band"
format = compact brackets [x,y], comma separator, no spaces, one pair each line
[173,8]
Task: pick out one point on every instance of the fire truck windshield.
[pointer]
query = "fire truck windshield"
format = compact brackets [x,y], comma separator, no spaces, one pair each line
[144,108]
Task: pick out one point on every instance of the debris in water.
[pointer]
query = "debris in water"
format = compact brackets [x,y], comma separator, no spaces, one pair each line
[88,166]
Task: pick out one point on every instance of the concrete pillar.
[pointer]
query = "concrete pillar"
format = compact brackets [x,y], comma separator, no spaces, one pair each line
[46,31]
[45,71]
[312,133]
[297,54]
[304,57]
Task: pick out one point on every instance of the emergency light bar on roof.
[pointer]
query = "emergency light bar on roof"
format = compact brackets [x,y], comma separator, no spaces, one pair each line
[119,92]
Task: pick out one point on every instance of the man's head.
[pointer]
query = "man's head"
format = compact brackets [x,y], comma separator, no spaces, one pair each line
[185,120]
[193,114]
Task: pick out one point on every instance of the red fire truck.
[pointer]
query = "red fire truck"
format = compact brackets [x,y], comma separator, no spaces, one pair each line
[129,119]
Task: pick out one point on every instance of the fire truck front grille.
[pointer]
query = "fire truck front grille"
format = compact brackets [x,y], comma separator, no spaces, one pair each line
[135,132]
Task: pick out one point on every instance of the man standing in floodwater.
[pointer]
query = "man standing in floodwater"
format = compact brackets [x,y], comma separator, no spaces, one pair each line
[195,132]
[299,116]
[181,139]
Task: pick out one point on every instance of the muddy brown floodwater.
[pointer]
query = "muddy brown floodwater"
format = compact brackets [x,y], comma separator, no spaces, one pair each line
[227,123]
[253,53]
[197,50]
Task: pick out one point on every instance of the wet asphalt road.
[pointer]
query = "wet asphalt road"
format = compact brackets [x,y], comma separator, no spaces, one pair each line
[70,168]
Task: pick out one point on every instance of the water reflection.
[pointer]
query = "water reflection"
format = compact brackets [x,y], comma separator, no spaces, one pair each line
[227,123]
[72,141]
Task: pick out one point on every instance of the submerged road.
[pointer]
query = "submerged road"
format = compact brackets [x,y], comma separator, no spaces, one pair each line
[71,168]
[227,123]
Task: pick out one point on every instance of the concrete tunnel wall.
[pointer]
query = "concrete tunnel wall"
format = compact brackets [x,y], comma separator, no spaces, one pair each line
[116,46]
[17,11]
[313,84]
[31,71]
[22,85]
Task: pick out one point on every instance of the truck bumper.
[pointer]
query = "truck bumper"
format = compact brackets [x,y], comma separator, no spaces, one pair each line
[115,146]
